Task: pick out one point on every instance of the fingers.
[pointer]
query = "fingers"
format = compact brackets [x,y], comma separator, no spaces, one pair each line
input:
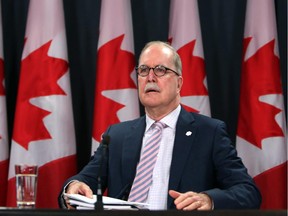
[174,194]
[77,187]
[191,200]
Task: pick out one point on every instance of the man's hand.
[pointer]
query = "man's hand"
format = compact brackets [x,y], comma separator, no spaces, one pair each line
[77,187]
[191,200]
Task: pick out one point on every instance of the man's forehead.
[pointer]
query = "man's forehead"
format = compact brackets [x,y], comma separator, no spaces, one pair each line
[160,51]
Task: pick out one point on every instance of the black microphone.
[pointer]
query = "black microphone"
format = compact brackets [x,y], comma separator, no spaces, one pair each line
[98,206]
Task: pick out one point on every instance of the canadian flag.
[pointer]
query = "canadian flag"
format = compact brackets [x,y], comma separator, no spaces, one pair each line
[4,155]
[43,132]
[261,134]
[185,36]
[116,97]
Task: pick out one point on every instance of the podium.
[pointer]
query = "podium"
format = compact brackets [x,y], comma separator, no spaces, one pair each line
[56,212]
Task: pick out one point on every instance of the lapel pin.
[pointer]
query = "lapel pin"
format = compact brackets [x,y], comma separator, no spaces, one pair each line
[188,133]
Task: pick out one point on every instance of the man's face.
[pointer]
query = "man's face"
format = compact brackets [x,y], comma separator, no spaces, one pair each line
[162,92]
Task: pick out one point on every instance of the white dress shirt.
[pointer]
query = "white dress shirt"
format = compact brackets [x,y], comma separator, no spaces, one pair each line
[157,195]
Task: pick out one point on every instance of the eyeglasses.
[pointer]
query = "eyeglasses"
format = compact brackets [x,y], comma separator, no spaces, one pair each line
[158,70]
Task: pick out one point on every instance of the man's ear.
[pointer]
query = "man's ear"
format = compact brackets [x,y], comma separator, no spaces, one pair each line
[180,83]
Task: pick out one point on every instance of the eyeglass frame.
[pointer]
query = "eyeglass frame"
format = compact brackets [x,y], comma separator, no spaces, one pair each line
[153,68]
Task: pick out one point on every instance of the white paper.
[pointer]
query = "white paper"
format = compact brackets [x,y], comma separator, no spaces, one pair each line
[82,202]
[108,207]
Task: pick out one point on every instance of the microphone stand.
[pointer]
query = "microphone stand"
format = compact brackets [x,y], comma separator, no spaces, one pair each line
[98,206]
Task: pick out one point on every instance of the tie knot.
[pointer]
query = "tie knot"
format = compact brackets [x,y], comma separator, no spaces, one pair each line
[159,125]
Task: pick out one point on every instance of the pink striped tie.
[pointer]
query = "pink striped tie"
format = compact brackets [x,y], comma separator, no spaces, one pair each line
[143,178]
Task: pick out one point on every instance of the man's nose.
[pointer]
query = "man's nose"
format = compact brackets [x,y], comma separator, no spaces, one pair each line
[151,75]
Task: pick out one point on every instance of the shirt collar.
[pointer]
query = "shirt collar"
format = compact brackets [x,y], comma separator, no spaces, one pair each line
[170,120]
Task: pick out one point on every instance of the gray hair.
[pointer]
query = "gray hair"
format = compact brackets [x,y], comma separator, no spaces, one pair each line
[176,58]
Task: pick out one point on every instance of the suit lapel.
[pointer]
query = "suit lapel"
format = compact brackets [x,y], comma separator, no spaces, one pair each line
[131,150]
[184,140]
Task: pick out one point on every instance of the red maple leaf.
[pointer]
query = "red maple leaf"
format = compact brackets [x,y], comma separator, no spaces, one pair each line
[39,76]
[260,77]
[2,89]
[193,72]
[114,67]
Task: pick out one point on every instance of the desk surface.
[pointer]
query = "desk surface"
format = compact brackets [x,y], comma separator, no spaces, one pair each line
[49,212]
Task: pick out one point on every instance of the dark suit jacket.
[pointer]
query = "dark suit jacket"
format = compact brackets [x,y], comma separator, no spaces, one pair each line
[205,161]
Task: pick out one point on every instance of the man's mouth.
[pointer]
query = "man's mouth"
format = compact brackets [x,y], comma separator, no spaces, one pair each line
[151,90]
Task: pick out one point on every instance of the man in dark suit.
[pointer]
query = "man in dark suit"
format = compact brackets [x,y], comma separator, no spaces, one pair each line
[197,167]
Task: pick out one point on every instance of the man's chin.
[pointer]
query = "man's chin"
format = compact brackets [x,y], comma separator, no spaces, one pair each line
[151,104]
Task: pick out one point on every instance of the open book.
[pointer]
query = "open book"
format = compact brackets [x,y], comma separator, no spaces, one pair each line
[82,202]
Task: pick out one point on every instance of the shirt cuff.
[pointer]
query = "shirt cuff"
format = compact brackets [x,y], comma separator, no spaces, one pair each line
[63,201]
